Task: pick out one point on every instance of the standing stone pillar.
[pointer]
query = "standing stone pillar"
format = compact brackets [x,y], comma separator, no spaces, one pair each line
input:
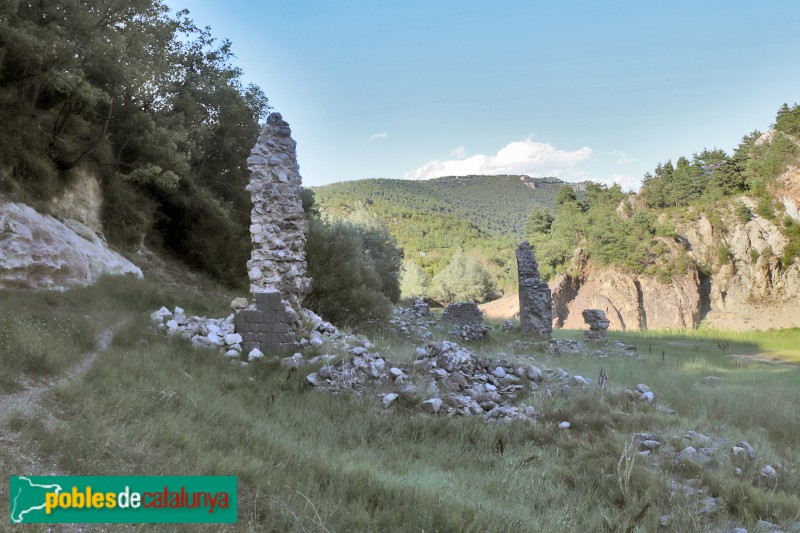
[535,300]
[277,265]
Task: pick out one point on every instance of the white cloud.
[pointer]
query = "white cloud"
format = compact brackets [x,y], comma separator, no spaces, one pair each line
[518,157]
[377,136]
[459,152]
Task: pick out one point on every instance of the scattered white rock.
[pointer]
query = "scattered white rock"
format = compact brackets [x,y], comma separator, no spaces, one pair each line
[255,354]
[389,399]
[564,425]
[432,406]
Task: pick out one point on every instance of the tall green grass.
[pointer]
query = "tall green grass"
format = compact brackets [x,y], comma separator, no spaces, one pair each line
[307,461]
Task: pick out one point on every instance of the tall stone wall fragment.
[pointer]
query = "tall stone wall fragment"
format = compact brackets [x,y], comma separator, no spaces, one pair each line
[278,227]
[535,300]
[277,265]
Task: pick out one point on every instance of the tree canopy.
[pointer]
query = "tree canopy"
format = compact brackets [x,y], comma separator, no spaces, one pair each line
[145,100]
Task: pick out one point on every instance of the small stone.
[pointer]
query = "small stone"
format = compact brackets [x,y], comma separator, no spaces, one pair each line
[751,452]
[648,397]
[564,425]
[232,353]
[389,399]
[499,372]
[709,506]
[255,354]
[313,379]
[432,406]
[769,472]
[666,520]
[534,373]
[396,372]
[326,372]
[232,338]
[580,380]
[762,526]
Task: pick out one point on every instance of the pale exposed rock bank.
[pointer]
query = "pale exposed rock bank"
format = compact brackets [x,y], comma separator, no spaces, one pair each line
[41,252]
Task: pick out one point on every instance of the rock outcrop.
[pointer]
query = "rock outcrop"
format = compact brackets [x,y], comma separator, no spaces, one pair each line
[41,252]
[535,299]
[629,301]
[598,324]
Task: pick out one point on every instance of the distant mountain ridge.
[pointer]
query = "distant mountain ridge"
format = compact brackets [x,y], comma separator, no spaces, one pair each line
[494,204]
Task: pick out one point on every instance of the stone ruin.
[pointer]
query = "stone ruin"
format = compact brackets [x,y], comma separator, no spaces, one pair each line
[598,324]
[468,320]
[277,265]
[535,300]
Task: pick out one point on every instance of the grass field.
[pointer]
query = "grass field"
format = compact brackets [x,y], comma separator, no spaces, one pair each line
[308,462]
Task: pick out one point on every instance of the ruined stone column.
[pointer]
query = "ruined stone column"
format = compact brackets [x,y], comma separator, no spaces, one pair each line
[535,300]
[277,265]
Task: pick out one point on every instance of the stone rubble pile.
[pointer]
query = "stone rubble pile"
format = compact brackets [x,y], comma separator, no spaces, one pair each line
[598,324]
[315,335]
[695,450]
[415,321]
[467,319]
[445,379]
[203,332]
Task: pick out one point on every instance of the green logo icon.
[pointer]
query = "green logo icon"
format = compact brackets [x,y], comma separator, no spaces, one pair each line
[122,499]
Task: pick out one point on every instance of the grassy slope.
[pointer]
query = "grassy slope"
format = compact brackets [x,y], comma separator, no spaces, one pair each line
[153,405]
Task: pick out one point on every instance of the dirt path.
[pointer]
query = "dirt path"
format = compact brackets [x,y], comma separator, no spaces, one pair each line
[27,405]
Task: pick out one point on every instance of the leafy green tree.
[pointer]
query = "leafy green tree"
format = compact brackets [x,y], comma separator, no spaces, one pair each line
[539,222]
[414,281]
[346,286]
[788,119]
[464,279]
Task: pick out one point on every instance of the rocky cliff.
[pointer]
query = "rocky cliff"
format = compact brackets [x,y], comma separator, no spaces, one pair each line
[630,301]
[40,251]
[733,277]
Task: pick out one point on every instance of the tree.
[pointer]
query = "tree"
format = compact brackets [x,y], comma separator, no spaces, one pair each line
[413,281]
[540,222]
[346,286]
[463,279]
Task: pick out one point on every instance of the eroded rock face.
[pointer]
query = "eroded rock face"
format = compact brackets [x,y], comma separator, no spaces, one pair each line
[535,299]
[40,252]
[629,301]
[278,227]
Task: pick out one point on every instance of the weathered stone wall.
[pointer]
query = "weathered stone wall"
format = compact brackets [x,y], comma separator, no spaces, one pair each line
[535,300]
[267,326]
[277,265]
[463,314]
[278,227]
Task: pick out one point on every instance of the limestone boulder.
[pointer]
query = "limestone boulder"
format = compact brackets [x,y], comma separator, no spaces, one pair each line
[38,251]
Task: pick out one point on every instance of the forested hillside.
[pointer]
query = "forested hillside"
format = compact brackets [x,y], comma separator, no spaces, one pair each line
[495,204]
[433,220]
[145,102]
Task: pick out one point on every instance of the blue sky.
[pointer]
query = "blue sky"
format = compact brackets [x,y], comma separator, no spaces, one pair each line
[579,90]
